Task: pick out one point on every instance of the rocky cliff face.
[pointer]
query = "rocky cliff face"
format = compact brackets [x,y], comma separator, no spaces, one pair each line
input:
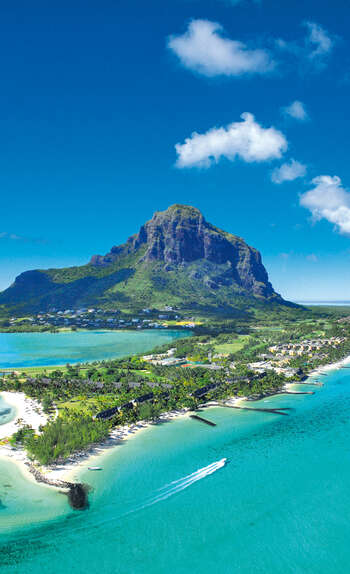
[180,236]
[177,257]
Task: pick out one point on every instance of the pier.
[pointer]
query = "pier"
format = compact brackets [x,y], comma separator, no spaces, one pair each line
[279,411]
[297,392]
[201,419]
[315,383]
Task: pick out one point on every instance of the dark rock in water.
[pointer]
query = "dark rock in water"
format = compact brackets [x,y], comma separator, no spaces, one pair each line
[77,493]
[78,496]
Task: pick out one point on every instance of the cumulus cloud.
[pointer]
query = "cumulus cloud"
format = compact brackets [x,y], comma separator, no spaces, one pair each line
[247,140]
[288,171]
[329,200]
[296,110]
[203,48]
[318,40]
[313,48]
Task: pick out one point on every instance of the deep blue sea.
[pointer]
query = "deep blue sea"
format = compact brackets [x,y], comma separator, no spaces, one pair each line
[162,503]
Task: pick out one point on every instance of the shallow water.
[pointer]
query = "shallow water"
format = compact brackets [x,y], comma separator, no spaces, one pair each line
[7,412]
[40,349]
[163,503]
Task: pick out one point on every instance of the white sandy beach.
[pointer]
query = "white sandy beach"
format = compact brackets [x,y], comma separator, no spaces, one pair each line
[30,412]
[27,410]
[94,456]
[330,367]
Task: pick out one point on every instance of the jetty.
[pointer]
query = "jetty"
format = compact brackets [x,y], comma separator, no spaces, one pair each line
[279,411]
[297,393]
[201,419]
[315,383]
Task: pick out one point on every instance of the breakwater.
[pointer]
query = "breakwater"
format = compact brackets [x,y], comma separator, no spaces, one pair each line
[76,492]
[203,420]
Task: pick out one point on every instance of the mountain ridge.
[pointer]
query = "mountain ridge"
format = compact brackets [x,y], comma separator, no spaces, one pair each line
[177,257]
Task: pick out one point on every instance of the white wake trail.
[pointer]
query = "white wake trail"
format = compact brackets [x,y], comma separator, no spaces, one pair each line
[185,482]
[175,487]
[189,476]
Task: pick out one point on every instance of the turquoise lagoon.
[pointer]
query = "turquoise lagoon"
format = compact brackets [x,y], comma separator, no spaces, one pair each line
[42,349]
[280,505]
[7,412]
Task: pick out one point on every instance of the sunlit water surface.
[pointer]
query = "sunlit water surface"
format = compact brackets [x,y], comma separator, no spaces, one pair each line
[164,503]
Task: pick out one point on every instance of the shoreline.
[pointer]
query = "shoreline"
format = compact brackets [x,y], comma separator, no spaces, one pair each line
[70,469]
[82,362]
[65,471]
[330,367]
[28,410]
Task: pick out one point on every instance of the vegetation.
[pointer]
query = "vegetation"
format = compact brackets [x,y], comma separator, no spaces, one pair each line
[63,437]
[217,359]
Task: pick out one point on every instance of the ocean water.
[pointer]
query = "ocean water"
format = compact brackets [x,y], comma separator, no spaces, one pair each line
[7,412]
[40,349]
[165,503]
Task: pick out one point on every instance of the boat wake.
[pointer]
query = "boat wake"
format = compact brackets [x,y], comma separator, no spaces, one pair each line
[178,485]
[164,492]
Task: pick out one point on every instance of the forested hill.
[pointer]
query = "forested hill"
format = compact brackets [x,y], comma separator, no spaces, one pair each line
[177,258]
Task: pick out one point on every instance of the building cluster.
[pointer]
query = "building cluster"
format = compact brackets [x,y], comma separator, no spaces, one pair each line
[278,367]
[96,318]
[309,347]
[169,360]
[279,355]
[165,359]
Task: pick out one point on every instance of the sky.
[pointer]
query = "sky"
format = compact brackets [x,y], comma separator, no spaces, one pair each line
[112,110]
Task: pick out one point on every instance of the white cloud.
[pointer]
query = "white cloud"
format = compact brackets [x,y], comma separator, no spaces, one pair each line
[204,49]
[15,237]
[247,140]
[288,171]
[319,40]
[313,48]
[296,110]
[329,200]
[312,257]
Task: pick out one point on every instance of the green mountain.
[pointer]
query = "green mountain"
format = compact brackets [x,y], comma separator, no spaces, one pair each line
[176,259]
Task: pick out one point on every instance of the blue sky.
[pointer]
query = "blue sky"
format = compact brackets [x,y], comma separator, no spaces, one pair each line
[110,111]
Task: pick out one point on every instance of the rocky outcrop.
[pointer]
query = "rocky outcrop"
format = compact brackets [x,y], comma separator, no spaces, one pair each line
[77,492]
[181,235]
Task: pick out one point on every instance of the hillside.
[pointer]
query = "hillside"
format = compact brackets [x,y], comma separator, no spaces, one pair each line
[177,258]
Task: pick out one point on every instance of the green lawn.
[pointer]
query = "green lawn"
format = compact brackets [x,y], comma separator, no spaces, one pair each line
[236,345]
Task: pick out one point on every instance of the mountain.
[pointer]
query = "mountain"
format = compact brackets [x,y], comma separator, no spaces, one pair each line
[177,258]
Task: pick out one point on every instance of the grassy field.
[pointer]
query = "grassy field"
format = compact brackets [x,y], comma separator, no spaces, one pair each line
[236,345]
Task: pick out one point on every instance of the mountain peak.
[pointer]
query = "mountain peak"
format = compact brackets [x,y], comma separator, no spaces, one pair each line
[177,257]
[181,209]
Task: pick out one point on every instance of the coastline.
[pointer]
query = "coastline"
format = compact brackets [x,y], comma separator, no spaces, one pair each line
[67,470]
[27,409]
[329,367]
[70,469]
